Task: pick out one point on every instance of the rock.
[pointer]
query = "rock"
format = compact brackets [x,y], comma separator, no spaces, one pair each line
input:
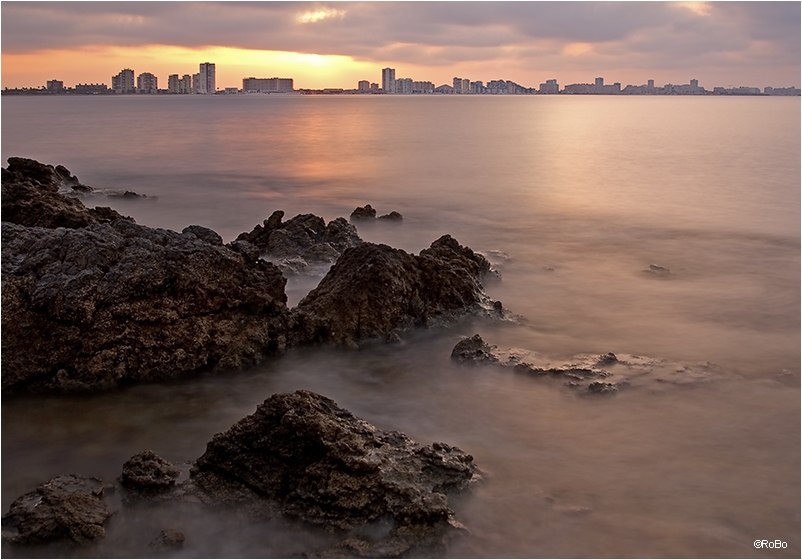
[658,270]
[391,217]
[30,197]
[204,234]
[306,237]
[168,539]
[90,308]
[303,456]
[363,213]
[375,289]
[147,472]
[592,374]
[67,509]
[474,350]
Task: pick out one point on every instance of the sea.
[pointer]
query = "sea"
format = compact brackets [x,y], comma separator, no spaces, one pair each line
[661,227]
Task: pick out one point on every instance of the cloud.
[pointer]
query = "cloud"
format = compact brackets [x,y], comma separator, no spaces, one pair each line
[574,34]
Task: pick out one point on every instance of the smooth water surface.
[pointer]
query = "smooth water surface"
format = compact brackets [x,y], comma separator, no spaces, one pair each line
[572,198]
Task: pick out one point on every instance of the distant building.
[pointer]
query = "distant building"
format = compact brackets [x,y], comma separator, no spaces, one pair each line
[267,85]
[230,90]
[55,86]
[185,84]
[551,86]
[388,80]
[207,82]
[147,83]
[123,82]
[781,91]
[462,85]
[445,88]
[196,79]
[374,87]
[422,87]
[90,89]
[403,86]
[363,86]
[172,83]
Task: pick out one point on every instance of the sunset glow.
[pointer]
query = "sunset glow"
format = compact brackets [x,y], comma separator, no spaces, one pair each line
[98,64]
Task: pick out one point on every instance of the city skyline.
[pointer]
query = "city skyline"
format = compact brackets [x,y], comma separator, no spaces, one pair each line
[337,45]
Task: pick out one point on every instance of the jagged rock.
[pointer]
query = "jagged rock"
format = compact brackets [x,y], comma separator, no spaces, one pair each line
[474,350]
[363,213]
[148,472]
[204,233]
[168,539]
[391,217]
[30,197]
[375,289]
[66,509]
[93,307]
[658,270]
[303,456]
[305,237]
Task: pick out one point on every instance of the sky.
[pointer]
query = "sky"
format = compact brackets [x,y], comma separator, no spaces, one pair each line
[336,44]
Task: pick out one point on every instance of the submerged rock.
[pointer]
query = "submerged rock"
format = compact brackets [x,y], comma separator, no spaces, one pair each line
[304,457]
[147,472]
[373,290]
[366,212]
[591,374]
[66,509]
[168,539]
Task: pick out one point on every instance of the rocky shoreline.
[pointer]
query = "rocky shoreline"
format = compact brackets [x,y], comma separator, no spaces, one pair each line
[92,300]
[298,457]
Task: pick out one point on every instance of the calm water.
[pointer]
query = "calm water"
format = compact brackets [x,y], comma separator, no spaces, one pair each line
[573,198]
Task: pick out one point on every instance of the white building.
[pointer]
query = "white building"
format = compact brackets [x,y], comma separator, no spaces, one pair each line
[172,83]
[147,83]
[123,82]
[388,80]
[207,78]
[267,85]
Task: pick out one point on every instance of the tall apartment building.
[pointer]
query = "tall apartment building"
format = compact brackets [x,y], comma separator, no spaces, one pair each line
[363,86]
[185,84]
[403,85]
[196,83]
[388,80]
[147,83]
[462,85]
[207,78]
[267,85]
[172,83]
[123,82]
[55,86]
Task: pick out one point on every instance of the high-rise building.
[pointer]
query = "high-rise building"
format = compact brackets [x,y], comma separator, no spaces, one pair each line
[185,84]
[55,86]
[147,83]
[196,83]
[207,78]
[388,80]
[172,83]
[551,86]
[123,82]
[363,86]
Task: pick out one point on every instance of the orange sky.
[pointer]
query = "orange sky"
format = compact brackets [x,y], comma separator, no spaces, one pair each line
[337,44]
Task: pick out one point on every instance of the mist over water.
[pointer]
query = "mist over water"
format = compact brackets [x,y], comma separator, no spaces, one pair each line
[572,198]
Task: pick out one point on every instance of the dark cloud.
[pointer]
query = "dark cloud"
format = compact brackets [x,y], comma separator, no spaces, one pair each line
[424,33]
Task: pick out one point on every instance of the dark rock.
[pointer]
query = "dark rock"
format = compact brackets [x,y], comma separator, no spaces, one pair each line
[30,197]
[305,237]
[391,217]
[168,539]
[67,509]
[374,289]
[474,350]
[205,234]
[93,307]
[303,456]
[658,270]
[363,213]
[148,472]
[602,388]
